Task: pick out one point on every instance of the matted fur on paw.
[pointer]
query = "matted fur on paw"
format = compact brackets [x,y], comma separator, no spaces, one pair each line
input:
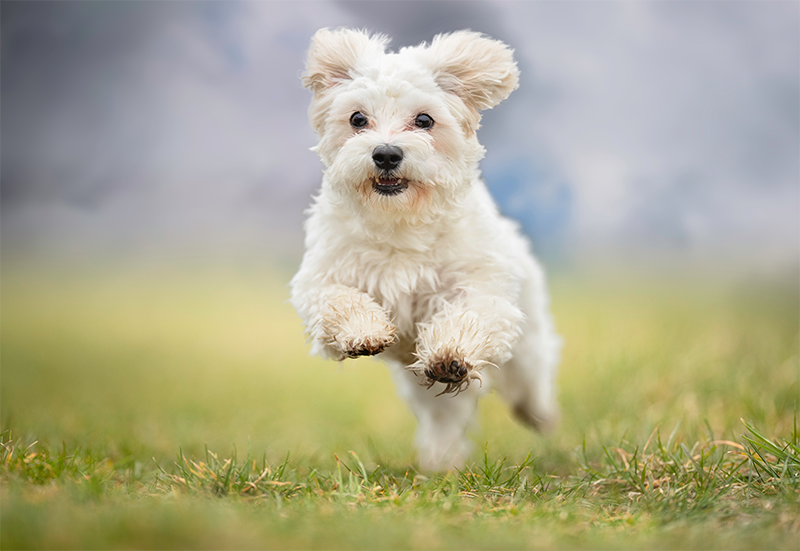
[366,345]
[453,371]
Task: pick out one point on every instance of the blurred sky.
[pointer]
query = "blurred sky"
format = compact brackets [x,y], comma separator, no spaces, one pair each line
[640,129]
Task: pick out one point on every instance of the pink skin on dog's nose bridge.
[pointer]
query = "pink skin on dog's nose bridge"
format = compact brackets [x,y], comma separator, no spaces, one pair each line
[388,137]
[388,130]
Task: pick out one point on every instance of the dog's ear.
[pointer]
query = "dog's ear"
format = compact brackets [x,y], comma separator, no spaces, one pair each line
[479,70]
[333,54]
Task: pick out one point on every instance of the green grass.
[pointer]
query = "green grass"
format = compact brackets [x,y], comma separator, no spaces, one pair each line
[166,408]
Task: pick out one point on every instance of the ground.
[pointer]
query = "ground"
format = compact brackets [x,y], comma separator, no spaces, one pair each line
[147,406]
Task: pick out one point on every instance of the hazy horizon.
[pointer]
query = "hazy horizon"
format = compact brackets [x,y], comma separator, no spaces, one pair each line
[643,131]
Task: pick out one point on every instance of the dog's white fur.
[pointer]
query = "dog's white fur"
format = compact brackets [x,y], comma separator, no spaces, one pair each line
[433,277]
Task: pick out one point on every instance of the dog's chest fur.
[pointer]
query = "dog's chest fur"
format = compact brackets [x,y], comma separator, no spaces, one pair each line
[406,283]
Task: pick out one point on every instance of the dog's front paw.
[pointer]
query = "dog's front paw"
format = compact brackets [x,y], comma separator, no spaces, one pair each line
[447,370]
[367,344]
[351,324]
[450,369]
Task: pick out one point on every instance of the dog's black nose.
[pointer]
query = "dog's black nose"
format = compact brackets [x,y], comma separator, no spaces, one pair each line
[387,157]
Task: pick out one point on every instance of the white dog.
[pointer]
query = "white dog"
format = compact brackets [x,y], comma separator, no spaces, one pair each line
[406,253]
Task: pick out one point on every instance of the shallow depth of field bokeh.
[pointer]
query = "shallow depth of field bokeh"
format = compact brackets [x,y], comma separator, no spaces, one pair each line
[155,387]
[149,360]
[133,366]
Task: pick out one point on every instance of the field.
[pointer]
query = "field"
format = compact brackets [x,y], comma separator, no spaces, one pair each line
[157,407]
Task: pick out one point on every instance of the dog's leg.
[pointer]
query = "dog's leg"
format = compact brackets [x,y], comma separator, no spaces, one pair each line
[527,381]
[442,421]
[346,323]
[464,337]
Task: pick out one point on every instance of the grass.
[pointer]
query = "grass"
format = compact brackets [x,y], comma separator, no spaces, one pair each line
[167,408]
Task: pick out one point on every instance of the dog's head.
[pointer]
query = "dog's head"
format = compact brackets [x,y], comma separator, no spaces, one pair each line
[397,130]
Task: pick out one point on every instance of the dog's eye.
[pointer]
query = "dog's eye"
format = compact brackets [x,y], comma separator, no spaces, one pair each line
[423,121]
[358,120]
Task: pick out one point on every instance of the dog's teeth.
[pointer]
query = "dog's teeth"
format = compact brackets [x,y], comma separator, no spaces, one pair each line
[390,187]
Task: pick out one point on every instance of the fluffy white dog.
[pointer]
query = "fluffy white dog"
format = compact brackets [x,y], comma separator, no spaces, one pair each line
[406,253]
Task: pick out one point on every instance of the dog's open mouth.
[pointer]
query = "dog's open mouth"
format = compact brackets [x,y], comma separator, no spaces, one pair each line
[390,186]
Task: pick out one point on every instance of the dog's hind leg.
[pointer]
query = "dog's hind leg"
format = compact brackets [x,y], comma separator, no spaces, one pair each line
[527,381]
[443,421]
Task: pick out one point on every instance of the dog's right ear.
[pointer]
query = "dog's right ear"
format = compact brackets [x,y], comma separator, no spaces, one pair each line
[334,54]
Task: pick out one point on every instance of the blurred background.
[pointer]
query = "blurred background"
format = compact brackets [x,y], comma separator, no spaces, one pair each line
[156,165]
[641,131]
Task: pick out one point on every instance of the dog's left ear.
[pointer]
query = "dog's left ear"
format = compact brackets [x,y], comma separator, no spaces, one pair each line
[479,70]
